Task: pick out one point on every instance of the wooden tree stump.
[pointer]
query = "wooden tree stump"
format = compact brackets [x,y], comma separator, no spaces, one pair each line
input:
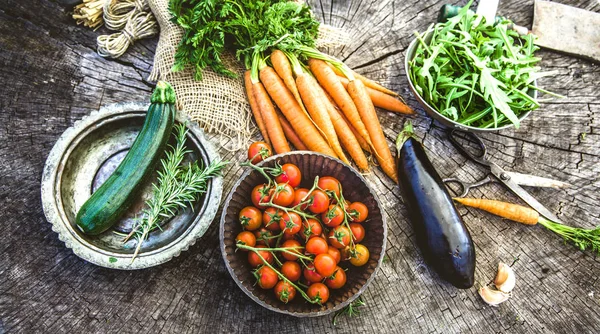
[52,76]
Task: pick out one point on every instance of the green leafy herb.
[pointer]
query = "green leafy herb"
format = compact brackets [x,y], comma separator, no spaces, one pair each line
[351,310]
[475,73]
[177,187]
[579,237]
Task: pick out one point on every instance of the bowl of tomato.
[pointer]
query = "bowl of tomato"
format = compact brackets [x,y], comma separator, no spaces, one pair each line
[302,233]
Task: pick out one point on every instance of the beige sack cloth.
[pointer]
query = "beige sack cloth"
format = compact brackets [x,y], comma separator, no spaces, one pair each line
[217,103]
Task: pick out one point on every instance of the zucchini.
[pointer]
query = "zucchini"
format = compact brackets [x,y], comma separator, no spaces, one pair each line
[116,194]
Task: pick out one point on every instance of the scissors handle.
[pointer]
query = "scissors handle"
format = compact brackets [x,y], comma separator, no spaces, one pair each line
[465,187]
[480,153]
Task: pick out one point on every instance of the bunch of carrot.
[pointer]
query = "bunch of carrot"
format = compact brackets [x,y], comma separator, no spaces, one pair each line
[323,107]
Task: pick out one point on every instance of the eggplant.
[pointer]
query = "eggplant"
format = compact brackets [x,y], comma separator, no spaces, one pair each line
[441,233]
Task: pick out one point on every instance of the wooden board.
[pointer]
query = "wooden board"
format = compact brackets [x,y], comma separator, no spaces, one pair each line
[51,77]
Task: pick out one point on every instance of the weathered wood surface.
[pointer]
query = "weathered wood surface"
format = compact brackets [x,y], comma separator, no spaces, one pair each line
[51,77]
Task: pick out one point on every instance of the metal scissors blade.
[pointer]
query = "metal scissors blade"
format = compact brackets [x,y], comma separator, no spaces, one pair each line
[505,178]
[537,181]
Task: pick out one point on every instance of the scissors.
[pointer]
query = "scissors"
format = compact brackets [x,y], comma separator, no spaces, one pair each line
[476,151]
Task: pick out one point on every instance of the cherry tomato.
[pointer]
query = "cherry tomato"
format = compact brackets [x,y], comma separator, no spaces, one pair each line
[291,270]
[316,246]
[331,185]
[250,218]
[358,212]
[325,264]
[285,291]
[310,227]
[335,253]
[283,194]
[291,223]
[258,151]
[266,277]
[337,280]
[260,194]
[246,238]
[318,292]
[359,255]
[358,232]
[291,244]
[319,202]
[271,218]
[290,174]
[333,217]
[264,237]
[256,261]
[311,274]
[299,195]
[339,237]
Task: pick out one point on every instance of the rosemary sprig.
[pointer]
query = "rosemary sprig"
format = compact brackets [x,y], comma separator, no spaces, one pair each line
[351,310]
[177,187]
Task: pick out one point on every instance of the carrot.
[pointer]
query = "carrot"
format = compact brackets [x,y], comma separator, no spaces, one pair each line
[332,85]
[282,66]
[272,124]
[518,213]
[284,99]
[290,134]
[368,82]
[254,107]
[367,113]
[383,100]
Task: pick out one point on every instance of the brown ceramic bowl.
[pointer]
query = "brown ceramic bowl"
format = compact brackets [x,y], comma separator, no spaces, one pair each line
[354,188]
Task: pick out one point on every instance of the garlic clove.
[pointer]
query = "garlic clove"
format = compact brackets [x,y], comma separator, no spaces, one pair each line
[493,297]
[505,278]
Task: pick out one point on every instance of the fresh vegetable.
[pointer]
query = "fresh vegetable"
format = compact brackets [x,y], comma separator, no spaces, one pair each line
[285,291]
[270,119]
[366,81]
[359,256]
[258,151]
[266,277]
[255,107]
[441,233]
[476,73]
[358,211]
[579,237]
[250,218]
[318,292]
[290,134]
[331,185]
[288,173]
[246,238]
[383,100]
[337,279]
[108,203]
[282,66]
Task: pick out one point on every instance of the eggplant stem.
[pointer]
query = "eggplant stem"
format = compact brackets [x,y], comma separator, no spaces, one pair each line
[404,135]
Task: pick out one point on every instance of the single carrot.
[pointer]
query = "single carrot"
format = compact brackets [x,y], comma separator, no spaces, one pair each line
[290,134]
[272,124]
[254,107]
[383,100]
[332,85]
[368,82]
[367,113]
[282,66]
[284,99]
[518,213]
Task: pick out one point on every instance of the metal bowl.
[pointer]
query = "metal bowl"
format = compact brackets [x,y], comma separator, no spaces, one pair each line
[85,155]
[410,54]
[355,189]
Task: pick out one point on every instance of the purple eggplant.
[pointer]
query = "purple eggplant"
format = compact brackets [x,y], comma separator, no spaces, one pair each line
[441,233]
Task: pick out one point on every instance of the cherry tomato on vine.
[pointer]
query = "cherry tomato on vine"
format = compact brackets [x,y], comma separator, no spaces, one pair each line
[311,274]
[318,292]
[264,237]
[283,194]
[291,223]
[333,217]
[290,174]
[316,246]
[337,280]
[335,253]
[258,151]
[291,244]
[319,201]
[271,218]
[266,277]
[359,256]
[358,232]
[255,260]
[250,218]
[247,238]
[339,237]
[299,195]
[358,212]
[260,194]
[310,227]
[285,292]
[330,185]
[325,264]
[291,270]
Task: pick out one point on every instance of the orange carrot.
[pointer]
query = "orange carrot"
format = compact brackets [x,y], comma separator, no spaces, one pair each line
[363,144]
[290,134]
[368,82]
[318,111]
[272,124]
[282,66]
[332,85]
[518,213]
[254,107]
[383,100]
[367,113]
[284,99]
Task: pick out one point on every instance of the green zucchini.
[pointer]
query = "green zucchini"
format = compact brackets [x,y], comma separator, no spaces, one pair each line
[117,193]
